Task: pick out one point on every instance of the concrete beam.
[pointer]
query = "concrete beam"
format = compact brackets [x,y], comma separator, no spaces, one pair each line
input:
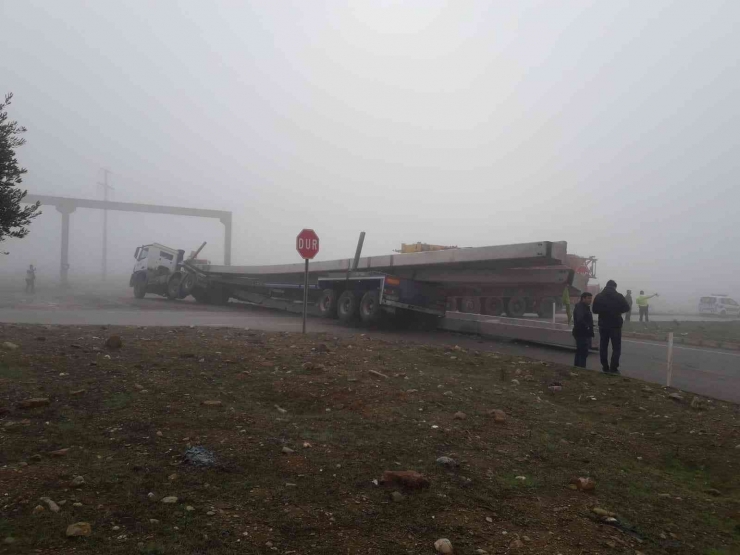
[127,206]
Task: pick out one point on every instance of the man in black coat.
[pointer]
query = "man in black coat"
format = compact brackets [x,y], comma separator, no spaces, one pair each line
[583,329]
[610,306]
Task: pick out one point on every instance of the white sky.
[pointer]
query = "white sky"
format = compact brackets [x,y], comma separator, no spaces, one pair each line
[609,124]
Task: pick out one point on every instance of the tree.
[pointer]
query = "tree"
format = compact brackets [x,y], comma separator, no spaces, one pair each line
[14,218]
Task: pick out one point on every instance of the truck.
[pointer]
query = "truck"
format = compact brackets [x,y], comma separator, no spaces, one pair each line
[415,285]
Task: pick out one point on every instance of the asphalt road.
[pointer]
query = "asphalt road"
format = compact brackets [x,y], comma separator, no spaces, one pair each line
[710,372]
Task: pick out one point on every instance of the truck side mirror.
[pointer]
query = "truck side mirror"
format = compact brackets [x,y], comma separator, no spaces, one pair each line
[136,254]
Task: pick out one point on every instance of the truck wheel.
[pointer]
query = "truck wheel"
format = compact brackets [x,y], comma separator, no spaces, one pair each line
[328,303]
[347,306]
[493,306]
[451,304]
[544,307]
[139,290]
[187,284]
[516,307]
[370,310]
[173,286]
[140,285]
[470,305]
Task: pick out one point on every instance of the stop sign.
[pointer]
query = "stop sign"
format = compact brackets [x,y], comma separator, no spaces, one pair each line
[307,244]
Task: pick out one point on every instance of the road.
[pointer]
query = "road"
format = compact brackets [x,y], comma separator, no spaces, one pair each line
[710,372]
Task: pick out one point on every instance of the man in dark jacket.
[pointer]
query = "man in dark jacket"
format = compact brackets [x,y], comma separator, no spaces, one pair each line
[583,329]
[610,306]
[628,298]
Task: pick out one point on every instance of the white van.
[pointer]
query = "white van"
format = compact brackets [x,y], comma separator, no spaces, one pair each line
[719,305]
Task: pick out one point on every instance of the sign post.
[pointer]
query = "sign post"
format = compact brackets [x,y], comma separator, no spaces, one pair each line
[307,245]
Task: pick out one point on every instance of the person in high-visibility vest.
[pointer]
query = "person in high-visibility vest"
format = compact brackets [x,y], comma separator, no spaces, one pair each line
[643,305]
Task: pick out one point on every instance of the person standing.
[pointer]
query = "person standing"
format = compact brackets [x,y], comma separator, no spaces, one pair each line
[628,298]
[583,328]
[643,305]
[610,305]
[31,279]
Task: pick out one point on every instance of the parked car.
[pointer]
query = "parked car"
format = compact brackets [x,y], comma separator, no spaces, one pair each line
[719,305]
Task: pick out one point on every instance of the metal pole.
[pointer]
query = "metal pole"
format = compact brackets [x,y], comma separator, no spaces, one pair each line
[358,251]
[553,312]
[669,369]
[105,236]
[64,265]
[196,253]
[305,296]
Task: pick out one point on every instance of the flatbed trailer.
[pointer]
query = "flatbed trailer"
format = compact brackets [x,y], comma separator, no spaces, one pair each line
[366,288]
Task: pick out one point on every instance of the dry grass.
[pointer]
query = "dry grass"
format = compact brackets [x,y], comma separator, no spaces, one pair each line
[656,461]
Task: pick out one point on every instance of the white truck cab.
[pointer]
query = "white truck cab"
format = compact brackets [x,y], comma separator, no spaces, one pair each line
[155,266]
[156,257]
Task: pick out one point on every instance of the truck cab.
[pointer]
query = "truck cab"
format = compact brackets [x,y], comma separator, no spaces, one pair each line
[155,267]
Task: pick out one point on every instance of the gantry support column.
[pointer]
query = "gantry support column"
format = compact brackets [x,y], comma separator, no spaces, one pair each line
[226,220]
[65,209]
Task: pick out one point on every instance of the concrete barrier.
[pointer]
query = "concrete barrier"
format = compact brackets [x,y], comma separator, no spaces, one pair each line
[534,331]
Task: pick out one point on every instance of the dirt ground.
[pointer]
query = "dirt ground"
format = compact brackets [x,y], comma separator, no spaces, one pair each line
[302,429]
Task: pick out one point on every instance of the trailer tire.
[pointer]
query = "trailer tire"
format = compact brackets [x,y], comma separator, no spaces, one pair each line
[516,307]
[451,304]
[370,310]
[470,305]
[139,285]
[544,307]
[347,307]
[173,286]
[328,303]
[493,306]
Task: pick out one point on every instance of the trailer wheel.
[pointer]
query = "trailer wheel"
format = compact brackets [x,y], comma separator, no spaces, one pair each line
[470,305]
[173,286]
[370,310]
[140,285]
[493,306]
[328,303]
[544,307]
[451,304]
[516,307]
[347,306]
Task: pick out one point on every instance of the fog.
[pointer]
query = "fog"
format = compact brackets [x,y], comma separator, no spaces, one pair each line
[612,125]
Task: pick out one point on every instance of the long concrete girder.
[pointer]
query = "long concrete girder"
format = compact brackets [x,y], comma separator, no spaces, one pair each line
[67,205]
[424,266]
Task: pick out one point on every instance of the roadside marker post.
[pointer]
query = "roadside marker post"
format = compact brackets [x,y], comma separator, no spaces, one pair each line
[669,369]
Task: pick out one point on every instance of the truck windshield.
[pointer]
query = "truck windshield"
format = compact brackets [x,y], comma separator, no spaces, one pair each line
[143,253]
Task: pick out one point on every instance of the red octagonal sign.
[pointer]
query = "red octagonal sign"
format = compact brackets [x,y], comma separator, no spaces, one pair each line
[307,244]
